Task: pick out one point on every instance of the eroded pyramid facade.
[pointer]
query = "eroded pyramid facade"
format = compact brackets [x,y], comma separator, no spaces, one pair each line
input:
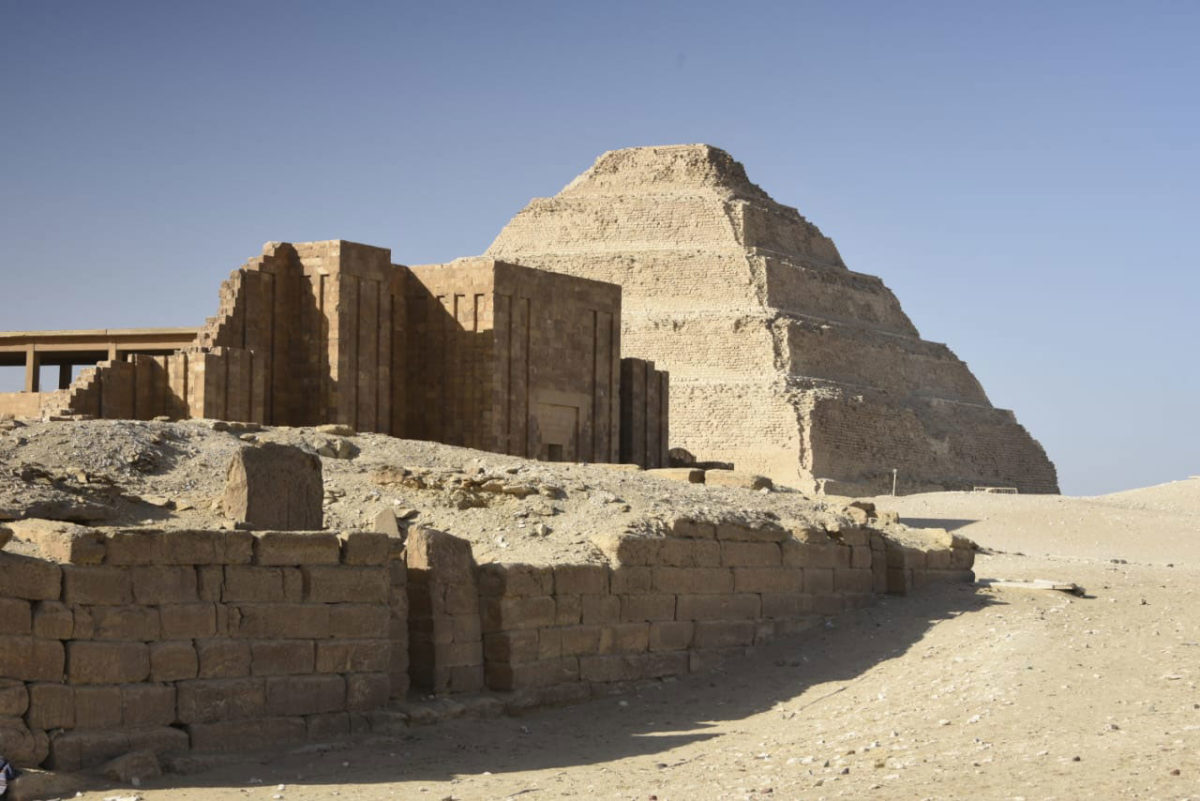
[782,360]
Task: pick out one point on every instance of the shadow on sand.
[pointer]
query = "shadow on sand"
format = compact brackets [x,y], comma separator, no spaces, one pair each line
[651,720]
[948,523]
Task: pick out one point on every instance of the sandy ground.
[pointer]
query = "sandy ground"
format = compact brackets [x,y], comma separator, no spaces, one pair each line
[955,692]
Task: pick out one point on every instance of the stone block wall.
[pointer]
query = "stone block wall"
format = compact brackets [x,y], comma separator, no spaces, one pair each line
[680,603]
[211,640]
[645,416]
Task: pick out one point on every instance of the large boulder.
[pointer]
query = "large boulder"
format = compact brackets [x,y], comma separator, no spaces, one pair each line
[275,487]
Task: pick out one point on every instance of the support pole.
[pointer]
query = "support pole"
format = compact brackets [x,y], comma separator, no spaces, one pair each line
[64,376]
[32,369]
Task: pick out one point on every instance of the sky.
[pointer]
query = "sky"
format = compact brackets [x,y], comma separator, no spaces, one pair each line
[1024,175]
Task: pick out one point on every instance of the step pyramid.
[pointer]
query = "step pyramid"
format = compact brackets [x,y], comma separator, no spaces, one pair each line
[782,359]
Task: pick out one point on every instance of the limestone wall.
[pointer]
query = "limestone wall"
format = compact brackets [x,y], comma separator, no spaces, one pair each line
[134,639]
[681,603]
[214,640]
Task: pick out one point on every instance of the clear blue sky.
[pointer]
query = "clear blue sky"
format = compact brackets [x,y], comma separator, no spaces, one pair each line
[1022,174]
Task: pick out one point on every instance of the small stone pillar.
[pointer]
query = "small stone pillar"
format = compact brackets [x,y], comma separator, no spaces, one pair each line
[445,644]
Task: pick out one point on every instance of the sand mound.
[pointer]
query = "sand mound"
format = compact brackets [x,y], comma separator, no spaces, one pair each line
[1174,497]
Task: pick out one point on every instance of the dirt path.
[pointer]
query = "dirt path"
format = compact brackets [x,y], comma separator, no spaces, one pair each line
[956,692]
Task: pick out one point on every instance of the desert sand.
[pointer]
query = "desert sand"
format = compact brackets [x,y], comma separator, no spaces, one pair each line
[960,691]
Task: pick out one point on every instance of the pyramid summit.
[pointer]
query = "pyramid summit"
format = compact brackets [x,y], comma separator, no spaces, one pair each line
[782,359]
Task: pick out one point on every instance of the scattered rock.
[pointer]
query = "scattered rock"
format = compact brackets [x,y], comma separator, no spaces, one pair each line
[736,480]
[336,429]
[385,523]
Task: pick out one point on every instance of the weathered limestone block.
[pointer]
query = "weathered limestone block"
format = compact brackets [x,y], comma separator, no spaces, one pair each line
[305,695]
[637,608]
[671,635]
[750,554]
[188,620]
[282,657]
[21,745]
[31,579]
[141,623]
[51,706]
[173,661]
[62,542]
[53,621]
[31,659]
[624,638]
[505,614]
[135,547]
[345,584]
[580,579]
[737,480]
[16,616]
[768,579]
[744,606]
[275,487]
[287,548]
[108,586]
[693,529]
[208,700]
[247,735]
[693,580]
[98,707]
[622,549]
[352,656]
[358,621]
[107,662]
[163,584]
[287,621]
[14,698]
[365,547]
[599,609]
[223,658]
[367,691]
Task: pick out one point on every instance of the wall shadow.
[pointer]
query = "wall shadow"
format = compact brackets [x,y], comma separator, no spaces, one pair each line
[948,523]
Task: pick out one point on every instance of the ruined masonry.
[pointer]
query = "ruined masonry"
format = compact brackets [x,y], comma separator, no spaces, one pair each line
[122,640]
[782,360]
[475,353]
